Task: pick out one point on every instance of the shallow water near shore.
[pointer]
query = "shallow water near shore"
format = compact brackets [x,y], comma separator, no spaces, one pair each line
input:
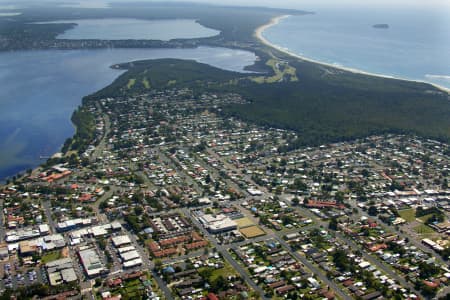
[415,46]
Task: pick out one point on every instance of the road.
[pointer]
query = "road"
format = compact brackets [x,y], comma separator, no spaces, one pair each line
[107,195]
[2,227]
[368,257]
[223,251]
[412,239]
[107,127]
[377,263]
[319,223]
[269,234]
[150,266]
[48,214]
[315,270]
[173,162]
[215,173]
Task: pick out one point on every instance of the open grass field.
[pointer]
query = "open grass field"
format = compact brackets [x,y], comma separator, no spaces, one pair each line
[244,222]
[282,70]
[130,83]
[132,289]
[227,270]
[408,214]
[423,229]
[252,231]
[51,256]
[146,83]
[425,218]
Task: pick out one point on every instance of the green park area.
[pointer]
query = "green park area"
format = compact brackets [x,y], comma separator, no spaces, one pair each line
[281,70]
[408,215]
[131,82]
[424,230]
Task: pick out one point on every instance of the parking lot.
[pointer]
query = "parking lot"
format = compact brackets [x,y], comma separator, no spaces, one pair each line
[14,277]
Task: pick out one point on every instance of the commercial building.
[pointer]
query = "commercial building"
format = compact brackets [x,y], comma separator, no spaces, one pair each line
[217,223]
[132,263]
[73,224]
[130,255]
[91,262]
[61,271]
[121,240]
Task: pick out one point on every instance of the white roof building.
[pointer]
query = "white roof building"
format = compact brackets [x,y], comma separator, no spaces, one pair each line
[44,229]
[130,255]
[126,249]
[121,240]
[132,263]
[217,223]
[91,262]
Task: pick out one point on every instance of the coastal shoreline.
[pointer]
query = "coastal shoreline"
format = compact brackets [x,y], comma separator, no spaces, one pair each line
[276,20]
[258,33]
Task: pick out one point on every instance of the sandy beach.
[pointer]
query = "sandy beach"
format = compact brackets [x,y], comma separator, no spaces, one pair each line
[274,21]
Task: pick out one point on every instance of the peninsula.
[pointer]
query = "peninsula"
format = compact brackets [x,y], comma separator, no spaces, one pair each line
[294,180]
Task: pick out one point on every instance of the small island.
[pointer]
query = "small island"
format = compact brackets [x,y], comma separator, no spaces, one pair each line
[381,26]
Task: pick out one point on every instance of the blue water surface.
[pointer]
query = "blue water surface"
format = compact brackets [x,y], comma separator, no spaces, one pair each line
[41,89]
[135,29]
[415,46]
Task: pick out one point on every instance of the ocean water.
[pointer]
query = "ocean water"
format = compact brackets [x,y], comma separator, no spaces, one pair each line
[40,90]
[415,46]
[135,29]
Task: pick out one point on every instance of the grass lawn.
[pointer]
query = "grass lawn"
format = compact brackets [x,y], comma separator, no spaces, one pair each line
[132,289]
[244,222]
[131,82]
[276,65]
[146,83]
[227,270]
[51,256]
[132,283]
[424,229]
[408,214]
[425,218]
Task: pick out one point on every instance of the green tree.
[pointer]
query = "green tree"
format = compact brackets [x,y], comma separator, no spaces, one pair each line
[158,264]
[333,225]
[372,211]
[339,197]
[219,284]
[341,261]
[138,210]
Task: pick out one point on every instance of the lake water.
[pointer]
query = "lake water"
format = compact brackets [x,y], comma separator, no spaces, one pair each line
[135,29]
[40,90]
[415,46]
